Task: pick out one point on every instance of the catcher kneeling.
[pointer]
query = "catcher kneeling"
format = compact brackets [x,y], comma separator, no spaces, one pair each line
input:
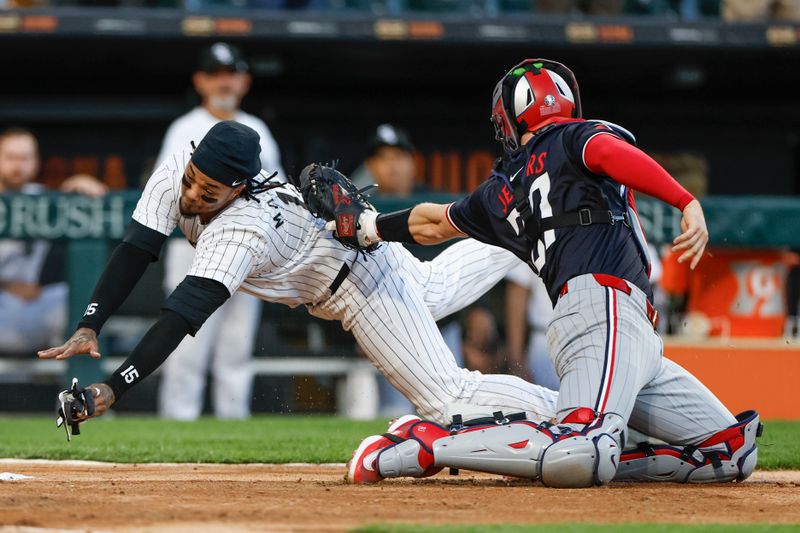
[586,449]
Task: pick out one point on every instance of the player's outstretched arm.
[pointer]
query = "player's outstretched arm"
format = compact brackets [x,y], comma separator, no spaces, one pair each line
[183,313]
[84,340]
[123,271]
[423,224]
[428,224]
[694,238]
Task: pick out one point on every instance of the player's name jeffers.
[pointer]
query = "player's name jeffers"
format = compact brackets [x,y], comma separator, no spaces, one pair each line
[58,216]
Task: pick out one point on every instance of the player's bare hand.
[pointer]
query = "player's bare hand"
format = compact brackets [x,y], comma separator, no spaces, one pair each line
[103,399]
[694,238]
[82,341]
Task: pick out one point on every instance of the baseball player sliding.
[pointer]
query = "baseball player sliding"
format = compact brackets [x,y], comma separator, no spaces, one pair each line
[561,199]
[257,236]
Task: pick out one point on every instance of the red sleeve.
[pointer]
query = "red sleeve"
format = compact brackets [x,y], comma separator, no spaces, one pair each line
[626,164]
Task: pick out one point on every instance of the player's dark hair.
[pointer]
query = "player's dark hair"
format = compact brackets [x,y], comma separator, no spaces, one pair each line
[254,186]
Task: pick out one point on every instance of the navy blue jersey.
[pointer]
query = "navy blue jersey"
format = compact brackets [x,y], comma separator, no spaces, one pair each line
[555,181]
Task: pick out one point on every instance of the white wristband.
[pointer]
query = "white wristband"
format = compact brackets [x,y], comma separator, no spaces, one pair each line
[367,228]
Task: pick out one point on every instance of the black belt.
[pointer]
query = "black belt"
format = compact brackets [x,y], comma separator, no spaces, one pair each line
[339,279]
[583,217]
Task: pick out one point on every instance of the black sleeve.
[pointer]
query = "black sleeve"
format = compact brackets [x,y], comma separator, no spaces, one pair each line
[195,299]
[394,226]
[140,246]
[184,312]
[145,238]
[154,348]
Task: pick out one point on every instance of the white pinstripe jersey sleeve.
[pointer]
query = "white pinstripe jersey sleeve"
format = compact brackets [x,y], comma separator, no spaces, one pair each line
[228,254]
[158,206]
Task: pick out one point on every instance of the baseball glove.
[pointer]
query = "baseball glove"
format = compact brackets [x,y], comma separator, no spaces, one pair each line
[74,403]
[331,195]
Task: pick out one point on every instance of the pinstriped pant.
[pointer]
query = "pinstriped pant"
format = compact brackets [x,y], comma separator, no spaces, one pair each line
[391,302]
[610,359]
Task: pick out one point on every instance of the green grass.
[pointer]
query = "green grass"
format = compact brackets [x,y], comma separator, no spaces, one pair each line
[779,446]
[584,528]
[263,439]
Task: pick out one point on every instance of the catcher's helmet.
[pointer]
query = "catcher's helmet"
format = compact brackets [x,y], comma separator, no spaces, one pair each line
[529,96]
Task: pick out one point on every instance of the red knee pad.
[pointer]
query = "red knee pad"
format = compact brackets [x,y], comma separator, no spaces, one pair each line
[581,415]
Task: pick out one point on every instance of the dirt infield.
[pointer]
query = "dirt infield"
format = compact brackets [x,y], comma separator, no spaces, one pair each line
[237,498]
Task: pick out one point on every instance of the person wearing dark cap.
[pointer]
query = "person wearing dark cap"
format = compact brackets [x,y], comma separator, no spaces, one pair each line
[389,163]
[222,79]
[255,234]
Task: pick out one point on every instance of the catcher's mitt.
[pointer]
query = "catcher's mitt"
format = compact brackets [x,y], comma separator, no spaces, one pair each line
[331,195]
[71,403]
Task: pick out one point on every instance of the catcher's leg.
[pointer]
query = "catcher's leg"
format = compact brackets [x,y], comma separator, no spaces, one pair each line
[559,457]
[727,455]
[362,468]
[706,442]
[605,352]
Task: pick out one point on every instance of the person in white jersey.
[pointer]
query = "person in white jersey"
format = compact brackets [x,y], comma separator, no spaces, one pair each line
[256,235]
[226,342]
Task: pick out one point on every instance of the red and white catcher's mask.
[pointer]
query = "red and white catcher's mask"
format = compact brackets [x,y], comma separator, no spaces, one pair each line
[530,96]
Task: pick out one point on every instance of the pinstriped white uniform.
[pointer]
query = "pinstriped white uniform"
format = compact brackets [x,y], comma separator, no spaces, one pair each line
[225,343]
[276,250]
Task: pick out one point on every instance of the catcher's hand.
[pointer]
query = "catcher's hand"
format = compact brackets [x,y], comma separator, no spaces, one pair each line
[331,195]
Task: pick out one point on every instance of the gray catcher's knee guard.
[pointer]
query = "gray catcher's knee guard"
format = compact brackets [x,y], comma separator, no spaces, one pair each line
[586,457]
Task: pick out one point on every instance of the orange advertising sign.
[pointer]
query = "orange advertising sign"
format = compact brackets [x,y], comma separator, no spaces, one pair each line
[742,293]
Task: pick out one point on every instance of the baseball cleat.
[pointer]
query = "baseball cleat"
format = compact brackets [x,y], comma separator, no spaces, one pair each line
[400,427]
[362,468]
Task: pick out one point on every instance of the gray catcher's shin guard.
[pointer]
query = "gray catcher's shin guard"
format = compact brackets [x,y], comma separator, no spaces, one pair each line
[728,455]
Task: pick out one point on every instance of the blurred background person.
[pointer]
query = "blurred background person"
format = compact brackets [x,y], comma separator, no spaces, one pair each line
[222,80]
[389,164]
[528,312]
[760,10]
[475,340]
[33,292]
[792,328]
